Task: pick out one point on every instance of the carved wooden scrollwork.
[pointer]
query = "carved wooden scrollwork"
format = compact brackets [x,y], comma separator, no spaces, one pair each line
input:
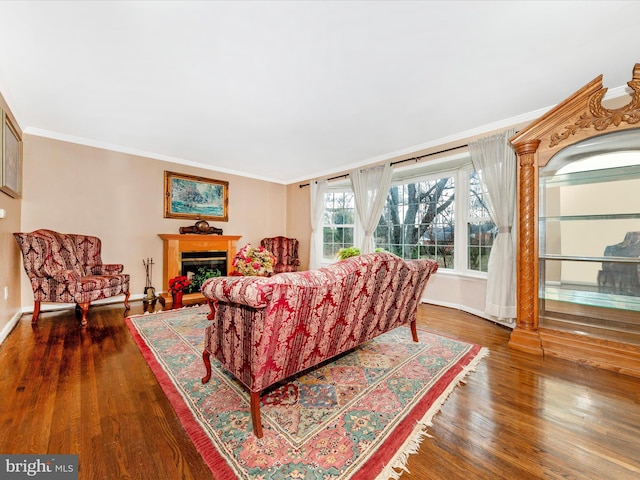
[601,118]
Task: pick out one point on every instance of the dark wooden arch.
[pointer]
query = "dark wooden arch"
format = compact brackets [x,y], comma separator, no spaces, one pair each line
[579,117]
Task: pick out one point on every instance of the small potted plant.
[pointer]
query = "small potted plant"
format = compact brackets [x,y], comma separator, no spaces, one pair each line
[177,285]
[348,252]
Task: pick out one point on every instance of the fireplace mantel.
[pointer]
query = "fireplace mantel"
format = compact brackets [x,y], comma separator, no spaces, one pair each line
[175,244]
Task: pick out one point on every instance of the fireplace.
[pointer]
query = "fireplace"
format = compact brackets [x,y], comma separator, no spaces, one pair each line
[185,254]
[198,266]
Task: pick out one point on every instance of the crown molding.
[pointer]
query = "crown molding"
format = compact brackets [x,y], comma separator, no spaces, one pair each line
[39,132]
[458,137]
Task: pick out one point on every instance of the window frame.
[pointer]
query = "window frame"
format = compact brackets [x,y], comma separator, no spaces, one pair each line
[468,219]
[339,187]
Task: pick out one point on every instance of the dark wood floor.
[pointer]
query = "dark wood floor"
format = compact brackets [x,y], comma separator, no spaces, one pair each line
[68,389]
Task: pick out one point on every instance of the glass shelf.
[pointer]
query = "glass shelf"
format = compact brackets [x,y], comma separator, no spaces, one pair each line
[574,258]
[605,216]
[585,295]
[593,176]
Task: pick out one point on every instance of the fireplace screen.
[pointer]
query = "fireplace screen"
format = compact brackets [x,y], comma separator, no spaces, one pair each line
[199,266]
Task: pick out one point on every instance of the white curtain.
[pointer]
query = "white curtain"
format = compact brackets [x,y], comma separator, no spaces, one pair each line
[318,189]
[495,163]
[370,187]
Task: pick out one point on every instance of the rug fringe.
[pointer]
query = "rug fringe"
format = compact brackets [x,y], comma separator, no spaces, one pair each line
[398,464]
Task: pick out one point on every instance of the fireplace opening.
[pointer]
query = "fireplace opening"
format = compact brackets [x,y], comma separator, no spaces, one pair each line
[199,266]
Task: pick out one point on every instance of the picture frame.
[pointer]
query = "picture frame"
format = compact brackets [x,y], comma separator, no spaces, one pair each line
[195,198]
[11,153]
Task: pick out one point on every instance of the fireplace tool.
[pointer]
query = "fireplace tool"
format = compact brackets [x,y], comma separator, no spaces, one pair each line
[149,291]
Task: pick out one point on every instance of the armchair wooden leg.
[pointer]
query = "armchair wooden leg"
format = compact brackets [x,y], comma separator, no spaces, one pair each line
[414,331]
[206,358]
[36,311]
[255,414]
[85,309]
[126,300]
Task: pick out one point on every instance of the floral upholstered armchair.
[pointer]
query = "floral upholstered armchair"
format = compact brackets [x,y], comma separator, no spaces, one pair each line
[67,268]
[286,252]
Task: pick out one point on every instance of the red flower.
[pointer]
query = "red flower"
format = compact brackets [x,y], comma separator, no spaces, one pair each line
[178,284]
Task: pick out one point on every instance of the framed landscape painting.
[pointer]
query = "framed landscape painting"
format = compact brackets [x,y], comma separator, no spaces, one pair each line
[197,198]
[11,153]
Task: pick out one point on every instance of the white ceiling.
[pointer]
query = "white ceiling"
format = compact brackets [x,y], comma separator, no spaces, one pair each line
[288,91]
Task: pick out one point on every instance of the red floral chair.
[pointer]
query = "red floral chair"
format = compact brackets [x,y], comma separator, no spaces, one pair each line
[286,252]
[67,268]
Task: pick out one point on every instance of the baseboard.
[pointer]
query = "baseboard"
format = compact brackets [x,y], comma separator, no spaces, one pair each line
[9,326]
[52,307]
[472,311]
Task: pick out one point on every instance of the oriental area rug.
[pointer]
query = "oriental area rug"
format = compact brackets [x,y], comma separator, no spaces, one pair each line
[358,416]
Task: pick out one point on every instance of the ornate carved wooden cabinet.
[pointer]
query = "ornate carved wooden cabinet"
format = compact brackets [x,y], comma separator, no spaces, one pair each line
[579,219]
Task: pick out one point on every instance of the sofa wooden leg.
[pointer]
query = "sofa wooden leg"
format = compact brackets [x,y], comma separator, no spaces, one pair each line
[255,397]
[213,304]
[36,311]
[414,331]
[255,414]
[85,309]
[206,358]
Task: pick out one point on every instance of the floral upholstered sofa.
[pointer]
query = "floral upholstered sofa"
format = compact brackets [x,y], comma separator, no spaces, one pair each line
[265,329]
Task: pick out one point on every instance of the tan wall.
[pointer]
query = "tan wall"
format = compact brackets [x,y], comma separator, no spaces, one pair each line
[298,223]
[118,197]
[10,266]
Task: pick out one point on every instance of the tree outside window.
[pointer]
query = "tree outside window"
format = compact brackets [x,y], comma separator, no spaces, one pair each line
[418,221]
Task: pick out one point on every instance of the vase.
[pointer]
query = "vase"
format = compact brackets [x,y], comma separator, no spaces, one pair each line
[177,299]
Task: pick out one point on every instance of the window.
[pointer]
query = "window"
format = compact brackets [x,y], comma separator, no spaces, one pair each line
[426,206]
[481,231]
[418,220]
[338,223]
